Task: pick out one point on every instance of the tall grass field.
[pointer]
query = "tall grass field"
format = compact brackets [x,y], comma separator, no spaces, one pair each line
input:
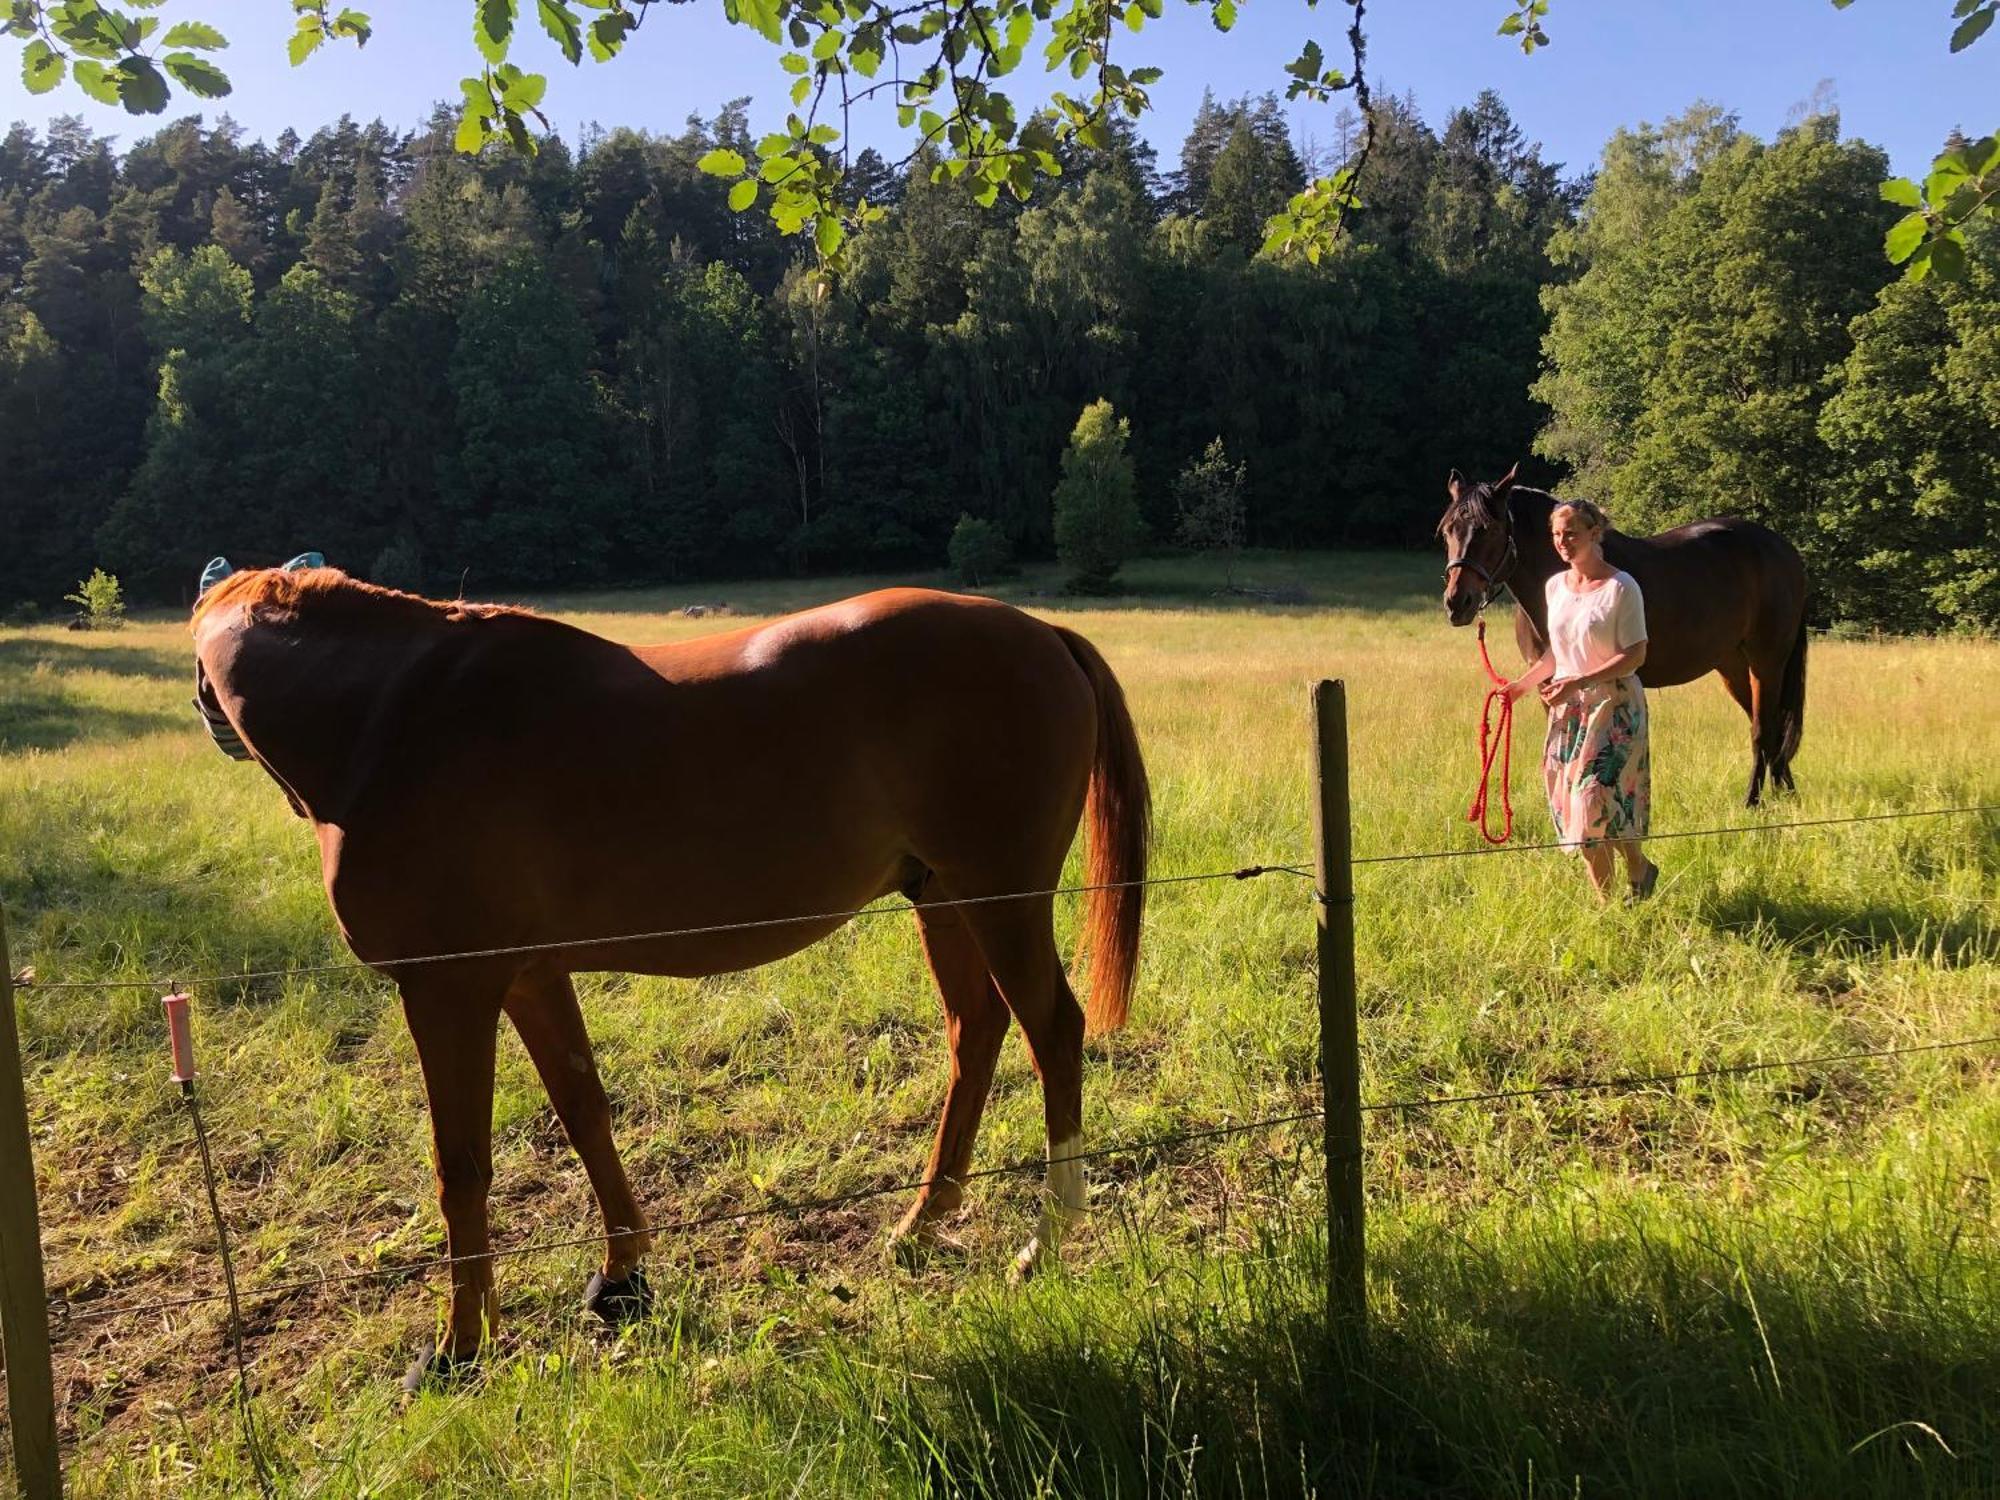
[1775,1284]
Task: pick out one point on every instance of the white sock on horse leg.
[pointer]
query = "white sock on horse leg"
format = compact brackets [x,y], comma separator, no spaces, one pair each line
[1062,1203]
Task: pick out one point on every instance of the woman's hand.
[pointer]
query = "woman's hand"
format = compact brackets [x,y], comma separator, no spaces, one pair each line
[1558,689]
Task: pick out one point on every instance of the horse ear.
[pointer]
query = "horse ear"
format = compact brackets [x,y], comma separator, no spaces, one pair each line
[1454,484]
[1507,483]
[218,569]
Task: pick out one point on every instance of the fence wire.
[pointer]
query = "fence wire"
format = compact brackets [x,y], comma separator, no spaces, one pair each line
[28,980]
[63,1309]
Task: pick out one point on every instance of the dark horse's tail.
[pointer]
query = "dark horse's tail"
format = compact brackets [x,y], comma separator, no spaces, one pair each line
[1791,706]
[1120,813]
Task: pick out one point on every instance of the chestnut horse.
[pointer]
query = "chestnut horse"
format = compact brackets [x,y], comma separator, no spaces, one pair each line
[481,777]
[1722,595]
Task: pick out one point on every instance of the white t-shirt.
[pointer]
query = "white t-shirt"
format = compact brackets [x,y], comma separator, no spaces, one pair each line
[1587,630]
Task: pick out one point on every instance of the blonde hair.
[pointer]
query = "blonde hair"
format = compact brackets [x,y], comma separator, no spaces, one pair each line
[1592,513]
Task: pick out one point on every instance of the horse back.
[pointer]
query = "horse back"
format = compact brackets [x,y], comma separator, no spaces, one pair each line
[803,764]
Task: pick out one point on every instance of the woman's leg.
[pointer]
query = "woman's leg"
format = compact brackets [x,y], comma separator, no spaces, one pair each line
[1599,860]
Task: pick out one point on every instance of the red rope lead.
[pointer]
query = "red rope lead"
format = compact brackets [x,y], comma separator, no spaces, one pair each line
[1492,747]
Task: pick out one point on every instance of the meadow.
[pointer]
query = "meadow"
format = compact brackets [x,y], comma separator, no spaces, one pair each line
[1777,1284]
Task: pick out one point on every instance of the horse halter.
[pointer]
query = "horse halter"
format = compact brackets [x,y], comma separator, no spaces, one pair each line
[1509,560]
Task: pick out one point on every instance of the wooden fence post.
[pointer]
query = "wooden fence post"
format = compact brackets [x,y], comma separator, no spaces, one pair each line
[1339,1023]
[24,1304]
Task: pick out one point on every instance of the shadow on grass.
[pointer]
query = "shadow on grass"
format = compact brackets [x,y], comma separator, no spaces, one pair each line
[1617,1367]
[25,653]
[38,714]
[1963,938]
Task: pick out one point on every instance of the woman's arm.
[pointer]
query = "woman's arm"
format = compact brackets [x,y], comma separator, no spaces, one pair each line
[1541,671]
[1623,664]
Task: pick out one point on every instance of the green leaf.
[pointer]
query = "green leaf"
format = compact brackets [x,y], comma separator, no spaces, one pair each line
[793,62]
[471,136]
[42,67]
[522,91]
[141,87]
[1510,27]
[354,23]
[197,75]
[825,45]
[195,34]
[828,234]
[607,33]
[562,23]
[801,89]
[1224,14]
[87,29]
[1903,238]
[492,28]
[1948,257]
[1307,64]
[97,81]
[742,195]
[866,61]
[1947,174]
[1970,30]
[822,135]
[761,16]
[1919,268]
[1966,7]
[722,162]
[304,43]
[1902,191]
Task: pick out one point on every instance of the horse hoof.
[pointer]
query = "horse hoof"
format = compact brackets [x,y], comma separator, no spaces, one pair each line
[1027,1263]
[618,1302]
[435,1369]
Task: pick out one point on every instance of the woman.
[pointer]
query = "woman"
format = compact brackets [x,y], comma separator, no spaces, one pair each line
[1596,764]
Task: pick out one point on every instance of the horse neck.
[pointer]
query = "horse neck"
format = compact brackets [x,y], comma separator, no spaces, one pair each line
[1528,513]
[313,701]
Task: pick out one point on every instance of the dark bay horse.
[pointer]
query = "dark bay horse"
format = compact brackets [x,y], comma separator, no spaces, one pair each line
[481,777]
[1724,596]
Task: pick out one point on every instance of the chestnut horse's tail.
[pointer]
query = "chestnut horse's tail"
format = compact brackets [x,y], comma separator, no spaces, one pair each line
[1120,813]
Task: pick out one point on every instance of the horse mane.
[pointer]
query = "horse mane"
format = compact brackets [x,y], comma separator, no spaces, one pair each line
[1475,503]
[279,594]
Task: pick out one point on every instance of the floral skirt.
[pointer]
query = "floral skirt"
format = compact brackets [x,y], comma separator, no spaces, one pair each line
[1597,764]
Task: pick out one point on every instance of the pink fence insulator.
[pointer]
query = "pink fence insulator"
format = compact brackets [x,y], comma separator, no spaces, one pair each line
[183,1039]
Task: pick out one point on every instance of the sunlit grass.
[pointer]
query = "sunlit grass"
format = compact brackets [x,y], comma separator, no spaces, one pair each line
[1777,1285]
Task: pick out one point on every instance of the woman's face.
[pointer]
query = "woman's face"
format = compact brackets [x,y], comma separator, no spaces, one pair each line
[1575,538]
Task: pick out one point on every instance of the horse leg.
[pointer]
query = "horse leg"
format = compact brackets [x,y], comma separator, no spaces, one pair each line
[1735,670]
[456,1029]
[975,1025]
[1770,669]
[542,1005]
[1018,940]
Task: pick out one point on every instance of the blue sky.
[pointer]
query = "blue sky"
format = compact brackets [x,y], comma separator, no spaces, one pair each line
[1613,62]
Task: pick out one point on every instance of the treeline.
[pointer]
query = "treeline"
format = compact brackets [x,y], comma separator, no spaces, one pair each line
[582,368]
[1729,338]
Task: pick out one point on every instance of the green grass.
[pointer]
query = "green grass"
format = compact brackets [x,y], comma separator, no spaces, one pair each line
[1785,1284]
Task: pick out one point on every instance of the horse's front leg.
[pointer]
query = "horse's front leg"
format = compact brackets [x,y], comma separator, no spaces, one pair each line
[542,1005]
[456,1025]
